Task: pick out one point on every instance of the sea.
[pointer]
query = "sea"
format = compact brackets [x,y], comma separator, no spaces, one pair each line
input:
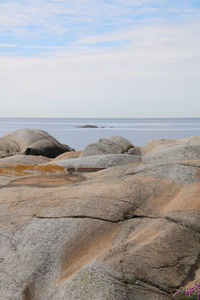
[139,131]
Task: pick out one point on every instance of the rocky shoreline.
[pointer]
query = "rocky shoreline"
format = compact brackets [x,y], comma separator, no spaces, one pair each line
[112,222]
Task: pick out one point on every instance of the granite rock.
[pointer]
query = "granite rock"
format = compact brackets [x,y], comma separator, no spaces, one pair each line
[96,162]
[128,232]
[68,155]
[171,150]
[31,142]
[110,145]
[24,159]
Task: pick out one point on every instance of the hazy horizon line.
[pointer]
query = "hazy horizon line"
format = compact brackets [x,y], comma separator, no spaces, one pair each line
[188,117]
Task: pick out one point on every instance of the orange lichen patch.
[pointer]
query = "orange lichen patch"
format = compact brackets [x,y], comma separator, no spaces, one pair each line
[24,170]
[87,250]
[6,170]
[49,168]
[46,181]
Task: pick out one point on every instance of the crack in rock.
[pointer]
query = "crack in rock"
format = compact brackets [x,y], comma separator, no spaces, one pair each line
[140,280]
[192,272]
[125,218]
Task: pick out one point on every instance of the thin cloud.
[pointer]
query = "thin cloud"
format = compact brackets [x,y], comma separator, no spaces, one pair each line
[79,18]
[109,57]
[31,46]
[154,59]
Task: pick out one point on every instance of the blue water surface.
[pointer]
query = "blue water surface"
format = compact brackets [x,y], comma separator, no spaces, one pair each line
[138,131]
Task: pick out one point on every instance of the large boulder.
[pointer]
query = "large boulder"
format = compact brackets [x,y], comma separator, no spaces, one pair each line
[110,145]
[125,233]
[31,142]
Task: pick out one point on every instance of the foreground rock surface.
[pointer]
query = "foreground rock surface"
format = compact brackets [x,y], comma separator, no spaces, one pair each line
[31,142]
[125,233]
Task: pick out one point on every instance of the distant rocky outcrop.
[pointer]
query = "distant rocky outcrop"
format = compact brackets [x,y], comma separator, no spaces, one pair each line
[86,126]
[128,232]
[31,142]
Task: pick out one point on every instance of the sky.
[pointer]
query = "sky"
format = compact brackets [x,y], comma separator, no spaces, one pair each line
[92,58]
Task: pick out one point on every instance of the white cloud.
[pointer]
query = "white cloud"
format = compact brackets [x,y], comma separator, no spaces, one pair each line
[36,17]
[155,74]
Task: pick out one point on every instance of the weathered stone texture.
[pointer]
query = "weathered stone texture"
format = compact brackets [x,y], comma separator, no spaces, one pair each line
[128,232]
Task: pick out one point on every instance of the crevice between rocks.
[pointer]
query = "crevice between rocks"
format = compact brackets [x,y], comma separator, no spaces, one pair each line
[192,272]
[124,219]
[139,281]
[76,217]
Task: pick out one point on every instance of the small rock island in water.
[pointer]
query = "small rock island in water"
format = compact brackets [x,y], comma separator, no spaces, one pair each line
[114,221]
[90,126]
[86,126]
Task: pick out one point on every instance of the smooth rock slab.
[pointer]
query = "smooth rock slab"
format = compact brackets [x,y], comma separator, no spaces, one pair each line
[96,162]
[24,159]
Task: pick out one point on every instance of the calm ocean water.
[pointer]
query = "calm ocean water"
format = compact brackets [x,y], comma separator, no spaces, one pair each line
[138,131]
